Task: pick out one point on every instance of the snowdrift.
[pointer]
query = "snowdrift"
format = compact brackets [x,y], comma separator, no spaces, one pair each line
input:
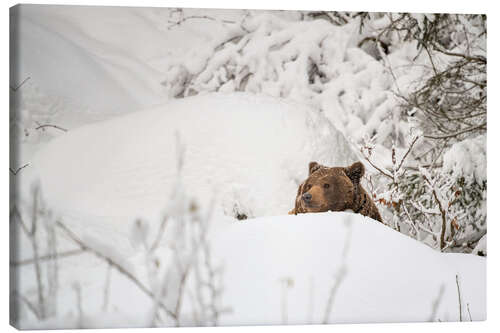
[385,276]
[282,269]
[249,152]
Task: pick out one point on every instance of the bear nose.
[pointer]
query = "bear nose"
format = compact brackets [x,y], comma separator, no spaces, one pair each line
[307,197]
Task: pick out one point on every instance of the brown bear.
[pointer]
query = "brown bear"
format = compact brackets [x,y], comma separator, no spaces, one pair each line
[335,189]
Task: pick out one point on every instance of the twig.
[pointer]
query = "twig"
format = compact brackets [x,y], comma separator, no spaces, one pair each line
[407,152]
[333,292]
[436,303]
[118,267]
[469,129]
[48,257]
[376,167]
[159,235]
[459,297]
[78,291]
[15,172]
[32,307]
[42,127]
[205,17]
[20,84]
[36,261]
[52,268]
[106,288]
[468,311]
[442,242]
[478,58]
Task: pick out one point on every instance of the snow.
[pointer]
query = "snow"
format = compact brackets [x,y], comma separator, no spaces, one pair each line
[388,277]
[101,177]
[481,246]
[467,159]
[250,152]
[133,153]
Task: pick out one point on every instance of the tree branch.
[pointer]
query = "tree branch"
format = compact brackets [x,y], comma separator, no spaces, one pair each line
[118,267]
[20,84]
[15,172]
[42,127]
[46,257]
[452,135]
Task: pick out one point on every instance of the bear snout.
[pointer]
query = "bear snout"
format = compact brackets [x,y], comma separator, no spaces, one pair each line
[307,197]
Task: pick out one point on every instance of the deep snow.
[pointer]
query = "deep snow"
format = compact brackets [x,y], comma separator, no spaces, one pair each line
[388,277]
[99,178]
[249,152]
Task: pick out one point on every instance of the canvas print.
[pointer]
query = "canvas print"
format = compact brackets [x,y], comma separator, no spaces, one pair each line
[205,167]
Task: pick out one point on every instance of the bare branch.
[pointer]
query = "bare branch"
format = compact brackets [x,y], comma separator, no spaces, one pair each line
[32,307]
[333,292]
[201,17]
[470,129]
[117,266]
[437,302]
[407,152]
[49,257]
[442,211]
[20,84]
[159,235]
[459,297]
[468,311]
[385,173]
[105,301]
[15,172]
[42,127]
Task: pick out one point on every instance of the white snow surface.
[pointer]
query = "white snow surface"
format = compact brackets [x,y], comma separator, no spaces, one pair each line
[467,159]
[388,277]
[249,152]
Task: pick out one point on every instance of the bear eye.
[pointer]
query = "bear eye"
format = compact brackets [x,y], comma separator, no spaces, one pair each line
[326,185]
[308,187]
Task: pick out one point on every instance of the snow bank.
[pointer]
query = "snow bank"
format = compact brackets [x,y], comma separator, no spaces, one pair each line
[249,152]
[66,57]
[282,269]
[104,59]
[388,277]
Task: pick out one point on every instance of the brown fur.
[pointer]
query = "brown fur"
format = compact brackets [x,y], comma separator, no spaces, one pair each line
[335,189]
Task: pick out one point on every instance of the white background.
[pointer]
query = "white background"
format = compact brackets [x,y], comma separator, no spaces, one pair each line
[476,6]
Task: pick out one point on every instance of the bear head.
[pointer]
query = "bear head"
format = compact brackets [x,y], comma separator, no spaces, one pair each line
[330,189]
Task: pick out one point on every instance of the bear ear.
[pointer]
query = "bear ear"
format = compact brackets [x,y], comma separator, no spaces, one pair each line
[355,172]
[313,166]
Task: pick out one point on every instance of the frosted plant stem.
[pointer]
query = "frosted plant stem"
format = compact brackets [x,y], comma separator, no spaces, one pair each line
[436,303]
[32,307]
[78,292]
[34,244]
[310,307]
[118,267]
[48,257]
[459,297]
[105,301]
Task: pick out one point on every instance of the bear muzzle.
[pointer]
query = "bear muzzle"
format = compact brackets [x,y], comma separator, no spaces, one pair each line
[307,197]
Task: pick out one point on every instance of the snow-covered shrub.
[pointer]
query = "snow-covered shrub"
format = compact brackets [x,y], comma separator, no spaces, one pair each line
[313,62]
[379,78]
[440,191]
